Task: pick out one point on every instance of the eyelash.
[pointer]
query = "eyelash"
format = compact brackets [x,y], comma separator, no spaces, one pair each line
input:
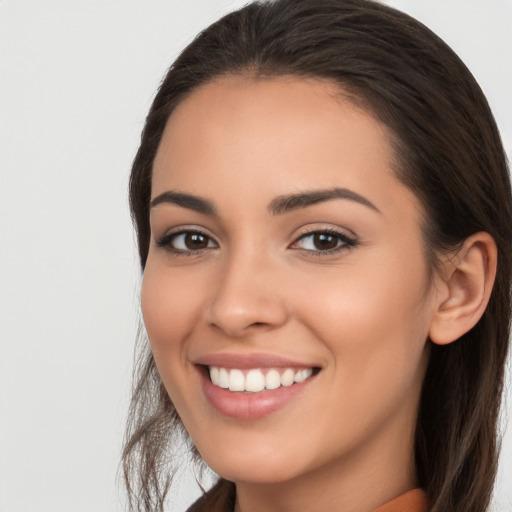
[344,242]
[167,240]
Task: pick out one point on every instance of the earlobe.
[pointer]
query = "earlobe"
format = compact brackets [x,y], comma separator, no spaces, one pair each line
[468,278]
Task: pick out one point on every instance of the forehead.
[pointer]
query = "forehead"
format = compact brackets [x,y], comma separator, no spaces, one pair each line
[281,108]
[273,136]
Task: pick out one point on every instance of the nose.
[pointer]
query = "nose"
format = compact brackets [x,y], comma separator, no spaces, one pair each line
[248,297]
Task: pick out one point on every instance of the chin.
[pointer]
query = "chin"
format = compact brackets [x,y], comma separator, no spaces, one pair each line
[263,474]
[256,465]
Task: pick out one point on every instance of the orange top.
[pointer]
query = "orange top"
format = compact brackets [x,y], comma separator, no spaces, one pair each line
[221,498]
[412,501]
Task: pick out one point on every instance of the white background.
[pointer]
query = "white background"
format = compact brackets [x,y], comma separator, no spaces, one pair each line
[76,80]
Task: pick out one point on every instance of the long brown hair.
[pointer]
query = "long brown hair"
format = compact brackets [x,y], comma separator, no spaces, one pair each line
[449,154]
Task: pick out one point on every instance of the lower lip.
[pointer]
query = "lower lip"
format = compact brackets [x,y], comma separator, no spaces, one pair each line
[244,405]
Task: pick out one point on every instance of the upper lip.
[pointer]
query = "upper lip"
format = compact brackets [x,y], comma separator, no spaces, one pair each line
[246,361]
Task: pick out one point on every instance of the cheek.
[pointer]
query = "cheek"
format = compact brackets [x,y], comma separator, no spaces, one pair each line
[170,311]
[367,302]
[374,319]
[375,329]
[170,307]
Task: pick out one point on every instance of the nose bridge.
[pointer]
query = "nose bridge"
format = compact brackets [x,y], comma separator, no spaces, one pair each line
[246,294]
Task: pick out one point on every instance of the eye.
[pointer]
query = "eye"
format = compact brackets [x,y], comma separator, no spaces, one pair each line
[186,242]
[324,242]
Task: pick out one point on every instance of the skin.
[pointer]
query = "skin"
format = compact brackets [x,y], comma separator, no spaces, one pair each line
[361,314]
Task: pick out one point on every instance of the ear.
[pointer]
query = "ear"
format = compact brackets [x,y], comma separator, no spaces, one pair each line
[464,287]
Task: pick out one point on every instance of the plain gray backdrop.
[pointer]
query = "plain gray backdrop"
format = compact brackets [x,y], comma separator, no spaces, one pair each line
[76,80]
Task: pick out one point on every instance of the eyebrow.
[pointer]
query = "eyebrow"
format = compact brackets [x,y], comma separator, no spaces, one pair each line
[278,206]
[284,204]
[185,201]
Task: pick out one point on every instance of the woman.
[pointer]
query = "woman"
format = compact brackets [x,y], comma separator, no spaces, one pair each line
[323,214]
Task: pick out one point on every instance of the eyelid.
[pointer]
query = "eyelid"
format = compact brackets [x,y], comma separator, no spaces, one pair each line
[165,240]
[348,241]
[319,227]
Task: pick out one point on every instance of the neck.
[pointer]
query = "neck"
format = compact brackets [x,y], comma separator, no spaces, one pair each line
[360,481]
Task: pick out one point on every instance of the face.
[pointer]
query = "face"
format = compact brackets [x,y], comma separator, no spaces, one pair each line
[285,294]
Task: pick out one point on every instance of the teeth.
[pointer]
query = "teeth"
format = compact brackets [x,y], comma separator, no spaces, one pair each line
[272,379]
[214,375]
[236,381]
[302,375]
[255,380]
[223,379]
[287,377]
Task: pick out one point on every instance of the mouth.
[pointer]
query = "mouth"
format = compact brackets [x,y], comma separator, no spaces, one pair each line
[255,380]
[252,386]
[252,393]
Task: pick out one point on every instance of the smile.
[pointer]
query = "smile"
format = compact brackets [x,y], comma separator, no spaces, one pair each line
[252,387]
[256,379]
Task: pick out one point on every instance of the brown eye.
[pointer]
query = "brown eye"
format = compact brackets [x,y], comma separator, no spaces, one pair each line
[195,241]
[186,242]
[325,241]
